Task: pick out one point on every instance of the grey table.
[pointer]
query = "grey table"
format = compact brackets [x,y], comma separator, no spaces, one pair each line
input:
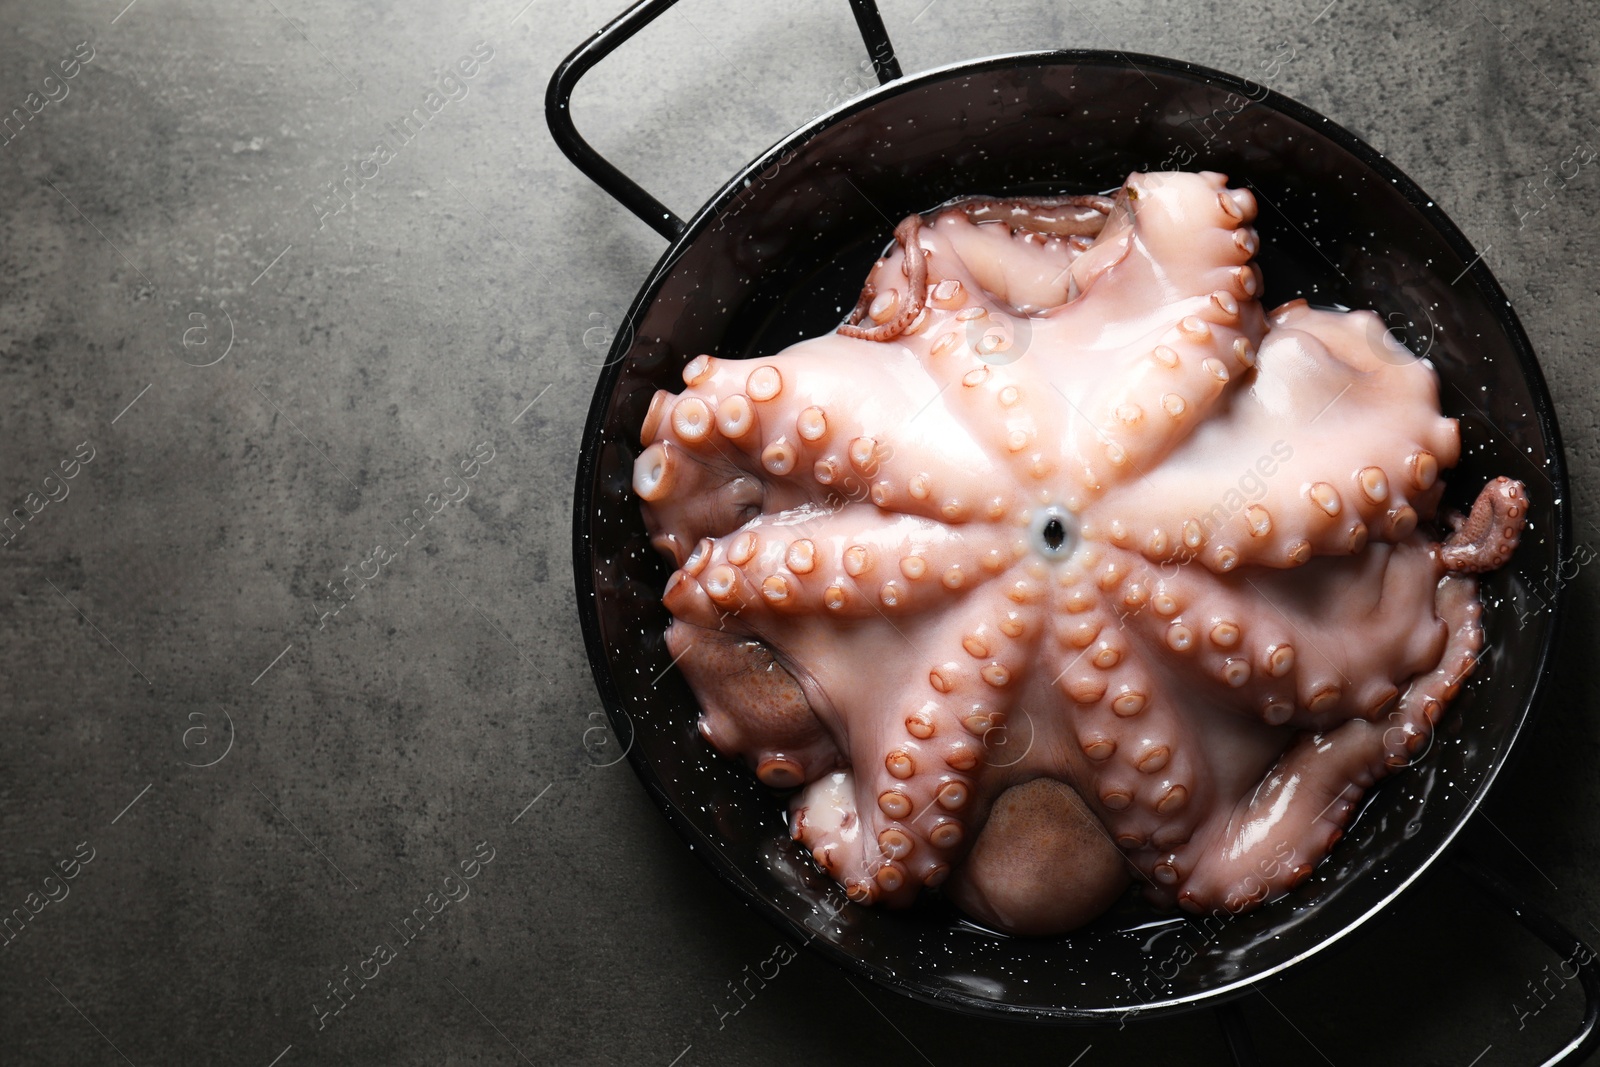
[262,345]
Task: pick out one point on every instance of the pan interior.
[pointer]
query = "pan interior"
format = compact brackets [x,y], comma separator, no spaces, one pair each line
[780,254]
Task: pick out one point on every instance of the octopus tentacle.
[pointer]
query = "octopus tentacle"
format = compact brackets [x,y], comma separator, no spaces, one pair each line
[823,817]
[1420,709]
[1251,485]
[913,780]
[917,762]
[915,266]
[790,570]
[1055,216]
[1003,272]
[815,447]
[1275,646]
[1488,536]
[1192,232]
[1143,772]
[1276,835]
[1170,385]
[1145,390]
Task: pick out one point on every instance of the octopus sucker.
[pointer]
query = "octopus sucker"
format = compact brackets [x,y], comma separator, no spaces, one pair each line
[1163,589]
[914,264]
[764,383]
[736,417]
[698,369]
[654,472]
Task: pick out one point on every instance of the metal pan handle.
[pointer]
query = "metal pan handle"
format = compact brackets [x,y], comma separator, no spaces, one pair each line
[558,102]
[1535,920]
[1561,941]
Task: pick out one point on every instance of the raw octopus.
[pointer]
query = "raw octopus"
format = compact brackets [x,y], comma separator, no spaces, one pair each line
[1061,563]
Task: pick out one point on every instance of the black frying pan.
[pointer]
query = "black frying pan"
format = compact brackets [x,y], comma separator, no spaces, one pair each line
[779,249]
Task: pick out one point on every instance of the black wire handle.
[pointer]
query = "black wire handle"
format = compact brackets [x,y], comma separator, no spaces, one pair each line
[558,102]
[1535,920]
[1236,1032]
[1562,942]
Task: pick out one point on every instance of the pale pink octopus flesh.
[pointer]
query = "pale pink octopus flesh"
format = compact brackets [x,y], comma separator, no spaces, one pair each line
[1061,563]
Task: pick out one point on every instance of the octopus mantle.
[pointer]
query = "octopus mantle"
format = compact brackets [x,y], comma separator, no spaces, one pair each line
[1061,563]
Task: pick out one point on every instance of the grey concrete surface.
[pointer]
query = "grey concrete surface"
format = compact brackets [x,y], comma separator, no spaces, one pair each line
[167,612]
